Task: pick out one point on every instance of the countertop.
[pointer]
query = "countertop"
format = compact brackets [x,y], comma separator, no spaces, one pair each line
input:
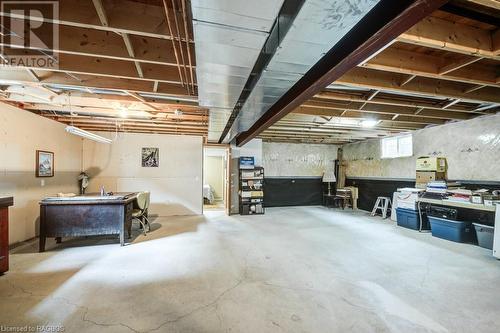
[6,201]
[91,199]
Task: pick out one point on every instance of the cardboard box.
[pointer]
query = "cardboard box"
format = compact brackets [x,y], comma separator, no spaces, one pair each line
[426,163]
[423,177]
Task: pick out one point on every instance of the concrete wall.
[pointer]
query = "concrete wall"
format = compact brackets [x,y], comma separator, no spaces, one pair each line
[21,134]
[472,149]
[175,186]
[297,160]
[213,174]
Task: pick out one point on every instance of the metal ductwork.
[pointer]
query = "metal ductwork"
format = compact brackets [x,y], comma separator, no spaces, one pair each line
[229,36]
[251,53]
[318,26]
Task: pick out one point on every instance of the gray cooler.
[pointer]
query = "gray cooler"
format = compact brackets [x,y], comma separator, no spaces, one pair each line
[484,235]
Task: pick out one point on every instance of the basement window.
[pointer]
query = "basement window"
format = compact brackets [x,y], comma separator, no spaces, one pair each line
[397,146]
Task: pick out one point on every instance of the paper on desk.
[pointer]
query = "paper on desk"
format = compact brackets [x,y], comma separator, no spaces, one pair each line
[461,191]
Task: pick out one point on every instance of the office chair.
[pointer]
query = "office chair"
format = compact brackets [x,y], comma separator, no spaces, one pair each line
[139,213]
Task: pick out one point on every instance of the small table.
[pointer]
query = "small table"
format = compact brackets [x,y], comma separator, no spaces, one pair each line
[87,215]
[328,196]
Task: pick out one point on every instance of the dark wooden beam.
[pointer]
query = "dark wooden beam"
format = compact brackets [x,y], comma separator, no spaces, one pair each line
[468,11]
[386,21]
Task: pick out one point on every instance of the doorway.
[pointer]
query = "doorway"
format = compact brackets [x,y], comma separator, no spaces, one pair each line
[215,178]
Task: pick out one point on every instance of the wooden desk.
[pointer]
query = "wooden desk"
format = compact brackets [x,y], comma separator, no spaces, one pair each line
[5,203]
[88,215]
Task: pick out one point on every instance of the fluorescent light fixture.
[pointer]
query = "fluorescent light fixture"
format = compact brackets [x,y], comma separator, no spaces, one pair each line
[87,135]
[369,123]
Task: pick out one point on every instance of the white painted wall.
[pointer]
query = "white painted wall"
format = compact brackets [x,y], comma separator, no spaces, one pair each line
[21,134]
[175,186]
[213,174]
[297,160]
[472,149]
[252,148]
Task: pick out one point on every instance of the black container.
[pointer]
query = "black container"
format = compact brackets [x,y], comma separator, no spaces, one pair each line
[443,212]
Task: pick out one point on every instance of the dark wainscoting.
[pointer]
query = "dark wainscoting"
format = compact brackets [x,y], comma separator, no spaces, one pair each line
[371,188]
[293,191]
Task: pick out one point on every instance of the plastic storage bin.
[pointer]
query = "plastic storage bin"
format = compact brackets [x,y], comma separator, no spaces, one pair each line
[410,219]
[456,231]
[484,235]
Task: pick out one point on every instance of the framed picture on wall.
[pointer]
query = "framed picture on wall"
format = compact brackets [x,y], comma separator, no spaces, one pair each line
[150,157]
[44,163]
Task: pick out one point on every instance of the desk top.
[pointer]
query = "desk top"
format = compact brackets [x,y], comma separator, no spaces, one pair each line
[450,203]
[6,201]
[91,199]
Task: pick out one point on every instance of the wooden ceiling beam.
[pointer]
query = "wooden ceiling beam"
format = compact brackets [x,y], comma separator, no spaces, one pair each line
[90,99]
[138,130]
[101,12]
[130,17]
[337,128]
[361,114]
[272,131]
[442,34]
[321,107]
[390,100]
[102,44]
[124,122]
[305,141]
[308,134]
[69,63]
[142,100]
[94,82]
[131,53]
[141,116]
[495,4]
[391,82]
[419,64]
[453,66]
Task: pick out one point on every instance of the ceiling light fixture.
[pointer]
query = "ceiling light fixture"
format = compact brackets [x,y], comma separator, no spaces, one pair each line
[123,112]
[369,123]
[87,135]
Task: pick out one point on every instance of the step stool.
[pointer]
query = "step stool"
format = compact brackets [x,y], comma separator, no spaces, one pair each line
[382,204]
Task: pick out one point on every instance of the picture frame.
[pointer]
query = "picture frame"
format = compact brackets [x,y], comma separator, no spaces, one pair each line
[150,157]
[44,163]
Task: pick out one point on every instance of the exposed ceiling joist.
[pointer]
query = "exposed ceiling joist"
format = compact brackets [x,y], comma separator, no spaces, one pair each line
[389,81]
[93,82]
[441,34]
[386,21]
[419,64]
[123,19]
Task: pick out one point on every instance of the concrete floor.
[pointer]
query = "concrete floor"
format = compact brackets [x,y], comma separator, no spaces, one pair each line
[292,270]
